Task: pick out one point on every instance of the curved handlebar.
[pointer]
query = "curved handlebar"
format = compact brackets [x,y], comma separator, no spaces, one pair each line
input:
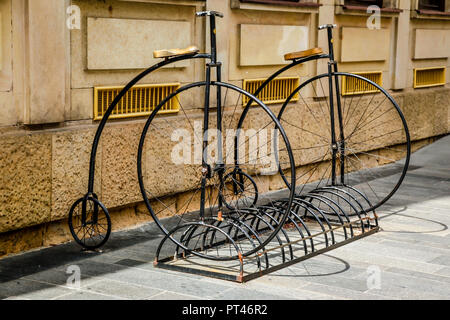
[328,26]
[209,13]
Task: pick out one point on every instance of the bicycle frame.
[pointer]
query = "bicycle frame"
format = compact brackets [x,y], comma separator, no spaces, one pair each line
[207,170]
[256,219]
[332,69]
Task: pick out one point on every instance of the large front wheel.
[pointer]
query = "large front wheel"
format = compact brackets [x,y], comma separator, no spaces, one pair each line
[368,147]
[185,172]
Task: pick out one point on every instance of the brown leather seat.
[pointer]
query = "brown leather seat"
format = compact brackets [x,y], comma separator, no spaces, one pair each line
[167,53]
[303,54]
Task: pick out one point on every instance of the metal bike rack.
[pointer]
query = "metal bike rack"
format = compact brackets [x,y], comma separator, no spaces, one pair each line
[241,244]
[321,220]
[318,221]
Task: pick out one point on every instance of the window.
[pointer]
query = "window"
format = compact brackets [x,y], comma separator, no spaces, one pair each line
[364,3]
[433,5]
[388,8]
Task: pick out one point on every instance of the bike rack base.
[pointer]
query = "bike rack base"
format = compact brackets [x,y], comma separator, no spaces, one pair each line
[231,273]
[322,220]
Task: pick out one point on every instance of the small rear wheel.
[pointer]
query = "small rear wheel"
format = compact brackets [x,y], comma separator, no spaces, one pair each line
[89,223]
[240,191]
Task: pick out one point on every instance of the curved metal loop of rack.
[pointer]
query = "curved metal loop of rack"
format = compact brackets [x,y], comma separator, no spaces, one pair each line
[319,221]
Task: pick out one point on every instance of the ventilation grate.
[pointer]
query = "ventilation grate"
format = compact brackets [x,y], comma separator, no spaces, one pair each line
[354,86]
[139,101]
[429,77]
[277,91]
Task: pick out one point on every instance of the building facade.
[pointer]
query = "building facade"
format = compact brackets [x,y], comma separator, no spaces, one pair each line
[57,55]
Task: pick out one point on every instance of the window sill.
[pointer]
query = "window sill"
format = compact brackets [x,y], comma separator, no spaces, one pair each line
[430,14]
[362,11]
[174,2]
[277,6]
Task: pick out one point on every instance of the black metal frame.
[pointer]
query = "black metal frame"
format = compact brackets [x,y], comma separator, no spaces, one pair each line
[338,149]
[207,170]
[333,209]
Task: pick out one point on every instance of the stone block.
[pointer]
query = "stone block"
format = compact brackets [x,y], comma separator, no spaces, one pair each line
[46,71]
[431,44]
[122,290]
[120,184]
[162,210]
[9,115]
[56,233]
[127,44]
[26,180]
[276,183]
[263,45]
[165,171]
[425,113]
[362,44]
[21,240]
[128,217]
[31,290]
[190,201]
[71,153]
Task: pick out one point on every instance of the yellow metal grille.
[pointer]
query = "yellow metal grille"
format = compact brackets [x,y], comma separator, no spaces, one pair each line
[353,86]
[277,91]
[139,101]
[429,77]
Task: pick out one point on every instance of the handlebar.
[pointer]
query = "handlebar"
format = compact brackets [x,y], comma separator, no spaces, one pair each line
[328,26]
[209,13]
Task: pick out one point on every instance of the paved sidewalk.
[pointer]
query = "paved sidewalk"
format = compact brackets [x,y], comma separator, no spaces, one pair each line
[412,254]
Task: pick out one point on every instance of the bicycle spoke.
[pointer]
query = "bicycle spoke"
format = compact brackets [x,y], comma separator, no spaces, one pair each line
[176,208]
[371,121]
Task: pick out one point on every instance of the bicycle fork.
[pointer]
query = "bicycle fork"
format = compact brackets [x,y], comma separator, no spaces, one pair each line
[220,166]
[337,147]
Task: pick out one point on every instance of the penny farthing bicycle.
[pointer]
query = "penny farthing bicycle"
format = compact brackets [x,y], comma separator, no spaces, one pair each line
[200,171]
[345,130]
